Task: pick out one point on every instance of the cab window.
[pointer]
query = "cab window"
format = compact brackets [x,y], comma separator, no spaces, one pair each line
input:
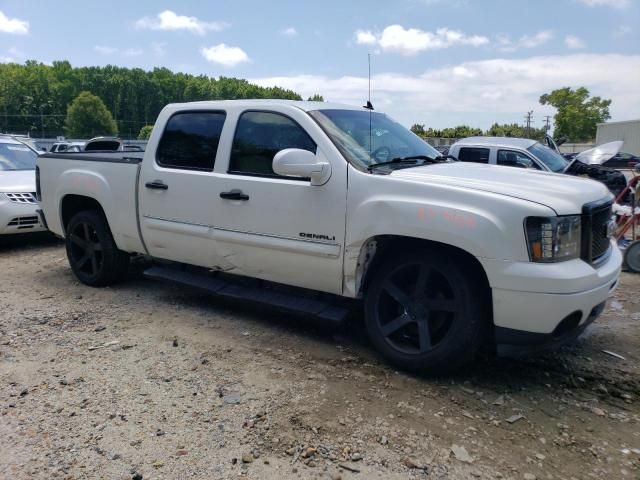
[510,158]
[259,136]
[475,155]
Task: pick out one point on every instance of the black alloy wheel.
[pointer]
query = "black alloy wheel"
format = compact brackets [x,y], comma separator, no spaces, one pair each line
[416,308]
[86,250]
[427,311]
[92,252]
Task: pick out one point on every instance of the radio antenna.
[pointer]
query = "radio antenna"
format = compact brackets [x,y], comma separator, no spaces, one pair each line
[369,62]
[369,105]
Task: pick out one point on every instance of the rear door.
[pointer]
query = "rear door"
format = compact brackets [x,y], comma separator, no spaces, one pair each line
[176,188]
[277,228]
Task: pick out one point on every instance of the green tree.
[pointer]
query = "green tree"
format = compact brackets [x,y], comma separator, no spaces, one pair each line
[34,97]
[88,116]
[316,98]
[145,132]
[577,115]
[515,130]
[418,129]
[460,131]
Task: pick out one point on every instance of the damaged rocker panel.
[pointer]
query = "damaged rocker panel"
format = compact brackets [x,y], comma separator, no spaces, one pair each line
[304,245]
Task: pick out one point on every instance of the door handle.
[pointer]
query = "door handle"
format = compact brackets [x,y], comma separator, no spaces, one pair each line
[234,194]
[157,185]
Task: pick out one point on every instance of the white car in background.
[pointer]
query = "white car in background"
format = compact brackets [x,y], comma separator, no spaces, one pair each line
[60,147]
[530,154]
[17,188]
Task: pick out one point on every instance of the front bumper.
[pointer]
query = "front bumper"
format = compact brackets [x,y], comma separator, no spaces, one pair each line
[520,342]
[548,304]
[19,217]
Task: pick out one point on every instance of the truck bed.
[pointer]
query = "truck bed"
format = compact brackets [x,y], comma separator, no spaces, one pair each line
[98,156]
[111,178]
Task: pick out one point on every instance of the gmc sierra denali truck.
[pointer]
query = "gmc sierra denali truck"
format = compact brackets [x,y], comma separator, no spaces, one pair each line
[303,205]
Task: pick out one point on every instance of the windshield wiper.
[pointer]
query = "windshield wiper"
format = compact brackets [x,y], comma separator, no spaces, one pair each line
[413,159]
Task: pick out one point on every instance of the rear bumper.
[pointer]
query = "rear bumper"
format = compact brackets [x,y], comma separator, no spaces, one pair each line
[19,218]
[538,304]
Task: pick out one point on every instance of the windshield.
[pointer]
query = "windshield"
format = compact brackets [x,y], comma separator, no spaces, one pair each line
[17,157]
[553,160]
[366,138]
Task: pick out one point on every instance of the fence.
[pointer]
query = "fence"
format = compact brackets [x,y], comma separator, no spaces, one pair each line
[441,142]
[564,148]
[46,143]
[575,147]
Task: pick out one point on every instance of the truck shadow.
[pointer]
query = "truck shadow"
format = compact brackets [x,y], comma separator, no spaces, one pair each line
[570,369]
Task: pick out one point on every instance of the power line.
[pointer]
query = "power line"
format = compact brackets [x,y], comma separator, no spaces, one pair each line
[529,119]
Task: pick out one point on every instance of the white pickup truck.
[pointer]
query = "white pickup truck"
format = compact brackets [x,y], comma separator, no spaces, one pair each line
[318,203]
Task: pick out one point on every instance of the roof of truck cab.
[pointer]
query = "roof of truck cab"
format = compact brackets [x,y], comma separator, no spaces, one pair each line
[497,142]
[10,140]
[265,103]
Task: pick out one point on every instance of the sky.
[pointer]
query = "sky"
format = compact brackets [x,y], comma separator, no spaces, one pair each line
[436,62]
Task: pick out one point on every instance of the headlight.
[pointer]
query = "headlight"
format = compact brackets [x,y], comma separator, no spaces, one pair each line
[553,239]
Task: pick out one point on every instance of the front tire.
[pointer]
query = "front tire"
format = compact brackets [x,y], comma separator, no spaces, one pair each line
[93,255]
[427,310]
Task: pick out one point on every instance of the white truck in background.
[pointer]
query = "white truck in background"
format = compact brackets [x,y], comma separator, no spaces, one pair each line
[342,203]
[527,153]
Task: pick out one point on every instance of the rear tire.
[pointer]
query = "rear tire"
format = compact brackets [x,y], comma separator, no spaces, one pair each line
[427,310]
[93,255]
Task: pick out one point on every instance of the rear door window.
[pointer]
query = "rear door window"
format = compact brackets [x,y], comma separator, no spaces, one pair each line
[473,154]
[190,141]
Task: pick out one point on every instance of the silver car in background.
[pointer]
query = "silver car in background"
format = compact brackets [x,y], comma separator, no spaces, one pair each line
[17,188]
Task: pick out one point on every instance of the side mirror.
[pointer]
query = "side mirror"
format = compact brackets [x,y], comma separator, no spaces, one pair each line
[295,162]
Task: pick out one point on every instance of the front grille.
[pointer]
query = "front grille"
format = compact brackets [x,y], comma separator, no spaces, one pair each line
[595,240]
[26,197]
[24,222]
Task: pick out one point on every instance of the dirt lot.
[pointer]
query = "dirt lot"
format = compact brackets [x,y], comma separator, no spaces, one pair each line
[149,381]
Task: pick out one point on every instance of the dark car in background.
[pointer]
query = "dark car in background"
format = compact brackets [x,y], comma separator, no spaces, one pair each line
[623,160]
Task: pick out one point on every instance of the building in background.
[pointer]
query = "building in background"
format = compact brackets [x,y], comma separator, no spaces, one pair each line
[627,131]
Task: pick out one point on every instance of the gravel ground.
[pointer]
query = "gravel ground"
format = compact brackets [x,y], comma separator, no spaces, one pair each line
[146,380]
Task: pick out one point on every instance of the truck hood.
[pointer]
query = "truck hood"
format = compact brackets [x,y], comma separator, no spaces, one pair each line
[601,153]
[563,193]
[17,181]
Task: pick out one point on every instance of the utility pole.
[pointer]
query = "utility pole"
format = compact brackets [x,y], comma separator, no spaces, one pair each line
[547,120]
[529,118]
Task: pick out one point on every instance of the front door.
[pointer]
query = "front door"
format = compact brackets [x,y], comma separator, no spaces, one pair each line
[277,228]
[176,189]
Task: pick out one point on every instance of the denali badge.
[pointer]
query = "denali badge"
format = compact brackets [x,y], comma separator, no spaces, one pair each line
[316,236]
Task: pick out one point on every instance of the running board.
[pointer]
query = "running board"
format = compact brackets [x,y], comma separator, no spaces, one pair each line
[290,302]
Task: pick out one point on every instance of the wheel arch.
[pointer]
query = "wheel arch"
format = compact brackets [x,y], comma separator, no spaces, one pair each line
[377,248]
[71,204]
